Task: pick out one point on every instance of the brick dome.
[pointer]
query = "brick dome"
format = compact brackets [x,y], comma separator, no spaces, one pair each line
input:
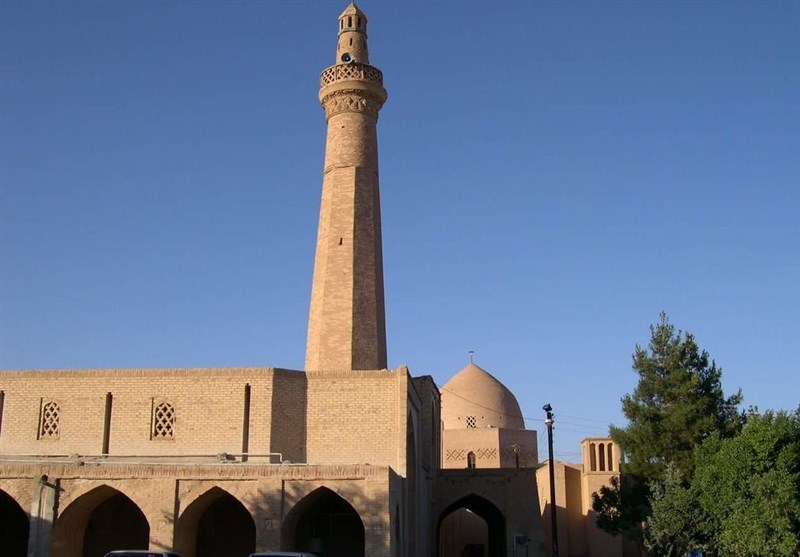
[474,398]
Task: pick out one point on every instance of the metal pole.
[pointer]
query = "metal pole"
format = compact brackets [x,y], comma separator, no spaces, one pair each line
[553,523]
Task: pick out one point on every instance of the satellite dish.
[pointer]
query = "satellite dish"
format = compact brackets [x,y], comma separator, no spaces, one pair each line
[347,58]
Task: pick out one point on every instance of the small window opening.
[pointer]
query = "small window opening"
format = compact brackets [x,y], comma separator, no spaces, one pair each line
[358,22]
[107,422]
[48,424]
[471,422]
[340,241]
[470,460]
[351,42]
[350,21]
[341,24]
[164,421]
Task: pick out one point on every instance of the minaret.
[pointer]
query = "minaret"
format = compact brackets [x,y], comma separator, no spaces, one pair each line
[346,324]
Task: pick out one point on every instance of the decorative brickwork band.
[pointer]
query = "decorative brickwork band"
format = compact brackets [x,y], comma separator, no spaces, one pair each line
[461,454]
[351,100]
[346,72]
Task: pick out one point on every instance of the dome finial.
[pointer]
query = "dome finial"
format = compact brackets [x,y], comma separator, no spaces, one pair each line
[471,354]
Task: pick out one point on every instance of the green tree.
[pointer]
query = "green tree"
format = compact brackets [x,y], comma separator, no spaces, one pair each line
[677,403]
[750,486]
[676,523]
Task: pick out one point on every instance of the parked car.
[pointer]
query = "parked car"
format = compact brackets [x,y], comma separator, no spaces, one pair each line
[282,554]
[140,553]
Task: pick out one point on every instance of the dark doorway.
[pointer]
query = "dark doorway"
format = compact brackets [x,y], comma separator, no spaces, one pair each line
[116,523]
[472,527]
[325,524]
[226,529]
[216,524]
[14,527]
[97,522]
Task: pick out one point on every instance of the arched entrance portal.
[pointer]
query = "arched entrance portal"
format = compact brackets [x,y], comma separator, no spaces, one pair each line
[97,522]
[14,527]
[472,527]
[324,524]
[216,524]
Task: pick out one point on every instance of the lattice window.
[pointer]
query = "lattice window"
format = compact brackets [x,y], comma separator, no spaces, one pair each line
[471,422]
[48,426]
[164,421]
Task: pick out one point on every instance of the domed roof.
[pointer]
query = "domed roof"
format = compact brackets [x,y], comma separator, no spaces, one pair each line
[473,398]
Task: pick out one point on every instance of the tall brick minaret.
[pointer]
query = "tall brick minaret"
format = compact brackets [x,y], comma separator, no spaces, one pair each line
[346,324]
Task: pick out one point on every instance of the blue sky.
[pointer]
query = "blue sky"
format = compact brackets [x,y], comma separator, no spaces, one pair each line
[553,175]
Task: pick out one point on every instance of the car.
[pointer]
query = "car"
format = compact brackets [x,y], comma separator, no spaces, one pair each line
[140,553]
[281,554]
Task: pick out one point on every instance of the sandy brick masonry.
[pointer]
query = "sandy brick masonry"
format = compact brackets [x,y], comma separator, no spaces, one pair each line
[318,418]
[268,492]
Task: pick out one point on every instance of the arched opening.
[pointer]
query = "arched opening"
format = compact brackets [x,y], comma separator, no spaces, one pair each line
[592,458]
[610,458]
[97,522]
[324,524]
[215,524]
[602,452]
[471,462]
[14,527]
[471,527]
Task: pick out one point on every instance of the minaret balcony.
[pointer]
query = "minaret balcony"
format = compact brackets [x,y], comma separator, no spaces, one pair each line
[348,72]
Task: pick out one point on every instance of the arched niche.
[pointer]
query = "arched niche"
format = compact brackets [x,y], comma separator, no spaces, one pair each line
[101,520]
[471,526]
[215,524]
[324,523]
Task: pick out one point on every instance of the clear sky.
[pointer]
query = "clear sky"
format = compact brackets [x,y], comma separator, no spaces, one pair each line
[553,175]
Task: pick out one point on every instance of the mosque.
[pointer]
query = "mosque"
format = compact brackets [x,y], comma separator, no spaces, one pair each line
[345,458]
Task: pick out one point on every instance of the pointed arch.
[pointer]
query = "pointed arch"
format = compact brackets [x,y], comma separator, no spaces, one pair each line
[324,522]
[14,527]
[215,524]
[454,539]
[601,451]
[101,520]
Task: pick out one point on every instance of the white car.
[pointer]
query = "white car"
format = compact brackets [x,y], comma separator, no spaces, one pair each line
[281,554]
[140,553]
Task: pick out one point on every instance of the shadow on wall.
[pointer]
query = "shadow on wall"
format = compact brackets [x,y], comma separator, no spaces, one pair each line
[288,421]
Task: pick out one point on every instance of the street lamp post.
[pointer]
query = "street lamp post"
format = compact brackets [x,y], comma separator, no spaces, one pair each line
[553,524]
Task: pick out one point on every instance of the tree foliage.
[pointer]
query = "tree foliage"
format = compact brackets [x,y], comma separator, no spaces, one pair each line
[620,507]
[677,403]
[749,486]
[676,524]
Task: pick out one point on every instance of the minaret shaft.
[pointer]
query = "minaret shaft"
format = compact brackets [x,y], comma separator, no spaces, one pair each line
[346,328]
